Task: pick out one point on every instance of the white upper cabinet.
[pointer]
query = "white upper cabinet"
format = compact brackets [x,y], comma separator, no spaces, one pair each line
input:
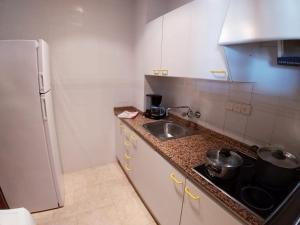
[176,41]
[152,41]
[261,20]
[190,40]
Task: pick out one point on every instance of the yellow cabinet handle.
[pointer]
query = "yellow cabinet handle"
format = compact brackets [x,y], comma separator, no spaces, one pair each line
[218,71]
[173,177]
[189,193]
[127,168]
[127,156]
[133,137]
[126,143]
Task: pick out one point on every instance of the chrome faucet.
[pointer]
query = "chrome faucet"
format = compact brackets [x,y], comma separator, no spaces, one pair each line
[189,112]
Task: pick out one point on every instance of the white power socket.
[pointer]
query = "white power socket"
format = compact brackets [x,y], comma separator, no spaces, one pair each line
[246,109]
[237,107]
[242,108]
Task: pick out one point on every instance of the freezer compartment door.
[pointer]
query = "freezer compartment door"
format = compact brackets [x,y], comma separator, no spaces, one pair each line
[52,143]
[25,173]
[44,66]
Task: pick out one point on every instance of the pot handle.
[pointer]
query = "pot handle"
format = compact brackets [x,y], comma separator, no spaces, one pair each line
[254,148]
[297,173]
[214,169]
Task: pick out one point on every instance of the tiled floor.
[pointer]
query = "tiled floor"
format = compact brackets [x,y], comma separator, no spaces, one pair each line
[98,196]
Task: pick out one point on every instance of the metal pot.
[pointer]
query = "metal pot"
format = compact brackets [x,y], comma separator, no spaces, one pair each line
[223,163]
[276,168]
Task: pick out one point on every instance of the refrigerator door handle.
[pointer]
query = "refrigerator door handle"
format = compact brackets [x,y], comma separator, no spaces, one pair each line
[41,76]
[44,109]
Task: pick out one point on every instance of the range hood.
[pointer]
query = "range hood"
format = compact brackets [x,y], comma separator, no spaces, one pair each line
[261,20]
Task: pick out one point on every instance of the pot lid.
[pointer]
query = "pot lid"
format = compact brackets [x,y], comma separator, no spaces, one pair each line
[279,157]
[224,157]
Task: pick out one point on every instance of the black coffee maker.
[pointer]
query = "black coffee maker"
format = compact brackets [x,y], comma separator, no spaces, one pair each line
[154,110]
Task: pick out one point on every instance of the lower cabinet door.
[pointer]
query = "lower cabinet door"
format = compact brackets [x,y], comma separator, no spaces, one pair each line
[119,126]
[160,185]
[199,209]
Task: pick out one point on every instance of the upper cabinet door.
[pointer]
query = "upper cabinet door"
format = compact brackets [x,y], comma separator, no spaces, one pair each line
[190,40]
[176,41]
[152,41]
[261,20]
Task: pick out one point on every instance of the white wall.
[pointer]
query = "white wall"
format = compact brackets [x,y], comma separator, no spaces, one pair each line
[91,45]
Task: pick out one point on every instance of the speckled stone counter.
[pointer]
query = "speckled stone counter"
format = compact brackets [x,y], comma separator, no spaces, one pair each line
[187,152]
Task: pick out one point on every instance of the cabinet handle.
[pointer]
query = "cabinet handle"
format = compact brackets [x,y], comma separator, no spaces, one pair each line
[127,168]
[126,143]
[173,177]
[133,137]
[218,71]
[127,156]
[189,193]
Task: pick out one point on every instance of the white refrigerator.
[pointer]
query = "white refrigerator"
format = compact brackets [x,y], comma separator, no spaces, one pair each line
[30,166]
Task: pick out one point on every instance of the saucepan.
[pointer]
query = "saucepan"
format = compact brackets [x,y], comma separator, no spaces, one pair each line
[223,163]
[276,167]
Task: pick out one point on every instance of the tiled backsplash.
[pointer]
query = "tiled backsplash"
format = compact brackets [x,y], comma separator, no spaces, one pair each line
[273,120]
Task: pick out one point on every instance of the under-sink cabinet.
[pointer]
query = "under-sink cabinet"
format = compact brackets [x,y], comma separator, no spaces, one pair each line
[171,198]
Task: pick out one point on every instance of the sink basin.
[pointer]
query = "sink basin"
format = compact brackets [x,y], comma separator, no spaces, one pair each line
[165,130]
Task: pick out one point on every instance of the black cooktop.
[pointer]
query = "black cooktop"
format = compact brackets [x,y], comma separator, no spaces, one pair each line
[246,188]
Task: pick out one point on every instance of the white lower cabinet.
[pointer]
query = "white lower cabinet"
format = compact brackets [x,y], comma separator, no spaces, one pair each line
[160,185]
[171,198]
[199,209]
[118,141]
[125,146]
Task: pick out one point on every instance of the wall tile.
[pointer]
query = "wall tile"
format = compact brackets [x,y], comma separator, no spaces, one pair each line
[235,123]
[274,119]
[216,114]
[286,132]
[260,126]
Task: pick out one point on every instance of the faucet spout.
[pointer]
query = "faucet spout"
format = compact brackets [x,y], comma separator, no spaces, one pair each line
[179,107]
[189,112]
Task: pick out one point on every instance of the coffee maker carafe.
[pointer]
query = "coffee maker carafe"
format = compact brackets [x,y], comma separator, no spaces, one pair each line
[154,110]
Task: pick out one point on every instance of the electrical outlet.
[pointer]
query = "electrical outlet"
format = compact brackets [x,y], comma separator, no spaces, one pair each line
[237,107]
[156,72]
[164,72]
[246,109]
[229,106]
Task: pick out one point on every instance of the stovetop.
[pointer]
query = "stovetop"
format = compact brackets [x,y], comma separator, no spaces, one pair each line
[245,188]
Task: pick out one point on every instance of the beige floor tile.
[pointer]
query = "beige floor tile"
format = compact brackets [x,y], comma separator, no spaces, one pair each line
[65,221]
[43,217]
[133,212]
[101,216]
[98,196]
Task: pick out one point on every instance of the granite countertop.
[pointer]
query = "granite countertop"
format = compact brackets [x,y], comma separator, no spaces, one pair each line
[187,152]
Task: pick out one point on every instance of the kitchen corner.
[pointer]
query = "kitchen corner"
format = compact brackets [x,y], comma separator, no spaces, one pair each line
[150,112]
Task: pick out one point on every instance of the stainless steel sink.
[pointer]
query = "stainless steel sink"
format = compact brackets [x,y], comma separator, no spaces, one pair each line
[165,130]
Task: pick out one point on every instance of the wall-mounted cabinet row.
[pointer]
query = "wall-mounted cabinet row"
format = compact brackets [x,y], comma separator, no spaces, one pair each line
[171,198]
[184,42]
